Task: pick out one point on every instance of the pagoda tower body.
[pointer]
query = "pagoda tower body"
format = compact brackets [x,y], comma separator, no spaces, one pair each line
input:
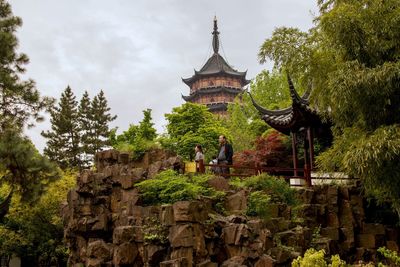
[217,83]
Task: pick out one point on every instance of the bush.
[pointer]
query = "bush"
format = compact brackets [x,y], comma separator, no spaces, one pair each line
[390,255]
[314,258]
[168,187]
[258,204]
[276,187]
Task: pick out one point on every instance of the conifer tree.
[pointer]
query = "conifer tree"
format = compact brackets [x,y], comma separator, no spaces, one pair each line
[22,167]
[100,117]
[20,101]
[64,137]
[85,128]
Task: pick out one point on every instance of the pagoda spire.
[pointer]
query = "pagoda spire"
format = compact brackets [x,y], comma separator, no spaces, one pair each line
[215,33]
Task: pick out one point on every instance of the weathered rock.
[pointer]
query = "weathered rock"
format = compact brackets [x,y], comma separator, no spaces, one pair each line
[373,228]
[236,203]
[167,215]
[392,245]
[123,234]
[99,250]
[181,262]
[281,254]
[125,254]
[265,261]
[123,158]
[236,261]
[234,234]
[346,215]
[190,211]
[219,183]
[186,253]
[154,254]
[366,240]
[181,236]
[207,263]
[330,232]
[154,169]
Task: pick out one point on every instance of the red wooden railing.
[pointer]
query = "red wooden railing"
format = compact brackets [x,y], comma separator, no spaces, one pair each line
[286,173]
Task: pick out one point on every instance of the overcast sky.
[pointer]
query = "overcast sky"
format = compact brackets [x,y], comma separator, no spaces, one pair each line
[137,51]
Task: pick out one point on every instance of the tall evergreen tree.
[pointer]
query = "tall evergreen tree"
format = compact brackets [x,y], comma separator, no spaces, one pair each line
[64,137]
[21,166]
[86,128]
[101,117]
[19,100]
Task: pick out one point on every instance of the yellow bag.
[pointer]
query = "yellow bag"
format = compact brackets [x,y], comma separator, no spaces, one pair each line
[190,167]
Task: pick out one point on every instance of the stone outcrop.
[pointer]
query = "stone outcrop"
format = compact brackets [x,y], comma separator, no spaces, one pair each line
[106,224]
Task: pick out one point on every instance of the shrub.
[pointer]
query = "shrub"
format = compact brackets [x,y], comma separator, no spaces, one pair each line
[168,187]
[390,255]
[276,187]
[258,204]
[314,258]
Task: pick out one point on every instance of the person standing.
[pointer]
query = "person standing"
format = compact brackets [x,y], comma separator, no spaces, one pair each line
[199,159]
[225,154]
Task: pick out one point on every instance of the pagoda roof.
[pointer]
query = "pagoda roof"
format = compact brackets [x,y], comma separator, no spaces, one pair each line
[216,64]
[212,90]
[293,118]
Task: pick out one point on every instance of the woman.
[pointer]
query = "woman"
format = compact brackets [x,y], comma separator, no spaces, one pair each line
[199,159]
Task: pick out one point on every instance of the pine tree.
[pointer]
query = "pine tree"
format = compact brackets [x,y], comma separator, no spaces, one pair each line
[100,120]
[86,128]
[22,167]
[20,101]
[64,137]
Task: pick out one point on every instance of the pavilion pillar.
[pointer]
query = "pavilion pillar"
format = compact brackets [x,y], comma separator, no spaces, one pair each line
[307,169]
[310,136]
[294,153]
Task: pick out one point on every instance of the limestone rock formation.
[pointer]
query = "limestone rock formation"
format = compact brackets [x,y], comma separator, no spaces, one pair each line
[106,224]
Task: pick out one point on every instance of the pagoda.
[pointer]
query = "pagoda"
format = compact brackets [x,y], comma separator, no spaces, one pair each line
[217,83]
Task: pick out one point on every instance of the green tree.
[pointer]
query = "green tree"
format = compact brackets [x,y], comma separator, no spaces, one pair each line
[138,138]
[20,101]
[352,62]
[63,144]
[100,118]
[85,118]
[35,232]
[270,89]
[22,168]
[192,124]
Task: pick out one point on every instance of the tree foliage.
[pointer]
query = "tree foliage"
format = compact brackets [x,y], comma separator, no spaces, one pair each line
[63,145]
[19,99]
[78,132]
[100,119]
[138,138]
[22,168]
[351,59]
[36,231]
[270,89]
[192,124]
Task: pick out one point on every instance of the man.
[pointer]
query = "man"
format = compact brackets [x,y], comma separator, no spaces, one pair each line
[225,154]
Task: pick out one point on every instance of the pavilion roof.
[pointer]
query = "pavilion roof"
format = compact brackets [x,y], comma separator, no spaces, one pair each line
[292,119]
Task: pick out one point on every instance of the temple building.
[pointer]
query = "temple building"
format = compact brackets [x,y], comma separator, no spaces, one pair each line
[217,83]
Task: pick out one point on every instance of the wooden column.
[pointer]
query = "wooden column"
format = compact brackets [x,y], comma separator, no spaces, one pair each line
[294,153]
[310,136]
[307,170]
